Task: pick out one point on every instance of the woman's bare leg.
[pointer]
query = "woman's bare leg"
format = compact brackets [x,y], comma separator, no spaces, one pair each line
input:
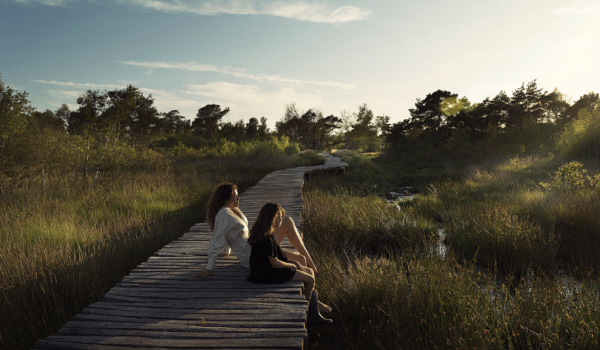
[309,282]
[323,308]
[288,228]
[296,257]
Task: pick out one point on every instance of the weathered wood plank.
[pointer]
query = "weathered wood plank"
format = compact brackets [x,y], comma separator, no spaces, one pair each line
[137,316]
[173,325]
[149,342]
[198,333]
[216,301]
[159,305]
[229,306]
[175,295]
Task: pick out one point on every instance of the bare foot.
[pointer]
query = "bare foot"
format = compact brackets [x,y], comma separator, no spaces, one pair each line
[323,308]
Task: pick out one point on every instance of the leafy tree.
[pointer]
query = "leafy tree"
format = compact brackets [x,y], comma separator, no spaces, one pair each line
[347,123]
[290,124]
[84,121]
[528,103]
[309,133]
[427,113]
[588,101]
[582,136]
[263,130]
[556,106]
[48,120]
[63,113]
[252,128]
[364,131]
[144,120]
[174,123]
[235,132]
[14,109]
[323,130]
[382,122]
[310,128]
[361,130]
[100,122]
[398,132]
[207,120]
[494,112]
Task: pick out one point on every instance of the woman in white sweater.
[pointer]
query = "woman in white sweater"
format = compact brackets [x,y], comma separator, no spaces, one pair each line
[230,231]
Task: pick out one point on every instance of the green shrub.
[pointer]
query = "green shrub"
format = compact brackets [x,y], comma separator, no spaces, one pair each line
[581,137]
[571,177]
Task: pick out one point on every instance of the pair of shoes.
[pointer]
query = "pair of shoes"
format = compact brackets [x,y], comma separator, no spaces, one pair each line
[314,316]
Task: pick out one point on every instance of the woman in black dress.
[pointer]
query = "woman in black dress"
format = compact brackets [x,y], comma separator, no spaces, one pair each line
[269,264]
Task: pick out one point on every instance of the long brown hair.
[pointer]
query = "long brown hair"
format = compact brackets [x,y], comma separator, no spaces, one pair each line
[265,222]
[220,195]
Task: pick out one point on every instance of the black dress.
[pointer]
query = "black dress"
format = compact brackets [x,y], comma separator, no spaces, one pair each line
[261,270]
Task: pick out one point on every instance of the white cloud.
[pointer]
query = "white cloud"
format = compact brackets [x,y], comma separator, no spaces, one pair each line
[250,100]
[61,3]
[72,95]
[245,101]
[299,10]
[578,8]
[166,101]
[72,107]
[80,85]
[199,67]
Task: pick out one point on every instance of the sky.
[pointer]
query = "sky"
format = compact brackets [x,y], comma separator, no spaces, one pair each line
[257,56]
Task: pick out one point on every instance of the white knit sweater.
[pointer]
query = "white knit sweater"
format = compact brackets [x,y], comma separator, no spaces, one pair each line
[230,234]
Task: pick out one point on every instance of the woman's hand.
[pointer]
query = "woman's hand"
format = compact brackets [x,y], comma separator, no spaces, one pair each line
[298,266]
[204,273]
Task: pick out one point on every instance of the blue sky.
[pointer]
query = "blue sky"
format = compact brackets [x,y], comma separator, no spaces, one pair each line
[257,56]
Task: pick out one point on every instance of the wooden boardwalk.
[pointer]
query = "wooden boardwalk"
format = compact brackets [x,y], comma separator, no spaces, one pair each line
[160,306]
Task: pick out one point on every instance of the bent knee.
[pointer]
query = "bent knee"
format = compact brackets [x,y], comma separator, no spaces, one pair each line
[302,260]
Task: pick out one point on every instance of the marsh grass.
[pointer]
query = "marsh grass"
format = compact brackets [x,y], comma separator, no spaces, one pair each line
[408,302]
[510,219]
[396,298]
[360,224]
[63,250]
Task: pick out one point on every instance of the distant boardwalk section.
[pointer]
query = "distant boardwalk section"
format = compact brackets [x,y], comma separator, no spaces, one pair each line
[160,306]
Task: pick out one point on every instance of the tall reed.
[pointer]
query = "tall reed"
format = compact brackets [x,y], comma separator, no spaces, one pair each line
[515,216]
[64,249]
[403,299]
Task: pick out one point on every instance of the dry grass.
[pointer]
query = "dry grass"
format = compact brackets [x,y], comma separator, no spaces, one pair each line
[407,300]
[63,250]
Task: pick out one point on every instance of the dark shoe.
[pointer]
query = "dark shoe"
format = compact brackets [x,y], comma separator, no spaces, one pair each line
[314,316]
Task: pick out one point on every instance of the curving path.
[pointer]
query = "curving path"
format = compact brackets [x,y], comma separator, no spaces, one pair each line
[160,306]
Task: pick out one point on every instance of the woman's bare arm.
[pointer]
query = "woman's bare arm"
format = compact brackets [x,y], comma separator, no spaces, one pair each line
[278,264]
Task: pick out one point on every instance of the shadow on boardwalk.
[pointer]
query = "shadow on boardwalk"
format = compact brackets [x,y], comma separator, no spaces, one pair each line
[160,306]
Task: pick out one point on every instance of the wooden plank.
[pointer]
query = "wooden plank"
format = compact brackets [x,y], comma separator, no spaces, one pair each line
[251,306]
[198,333]
[174,325]
[226,286]
[175,295]
[159,305]
[133,315]
[149,342]
[117,298]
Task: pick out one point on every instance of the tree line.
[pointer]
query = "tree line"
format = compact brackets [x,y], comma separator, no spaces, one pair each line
[116,133]
[529,121]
